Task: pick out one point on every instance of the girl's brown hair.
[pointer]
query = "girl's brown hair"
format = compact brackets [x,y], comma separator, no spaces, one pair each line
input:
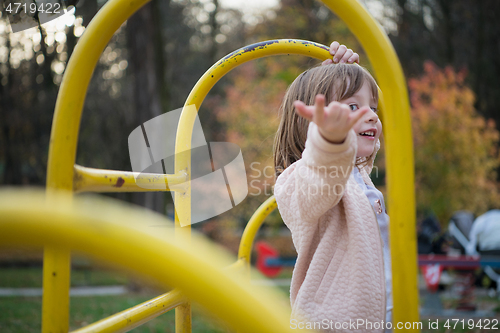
[336,82]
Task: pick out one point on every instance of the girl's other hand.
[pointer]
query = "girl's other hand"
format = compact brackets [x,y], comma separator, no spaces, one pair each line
[334,121]
[341,54]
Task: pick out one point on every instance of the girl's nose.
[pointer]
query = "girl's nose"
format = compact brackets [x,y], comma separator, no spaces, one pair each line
[372,116]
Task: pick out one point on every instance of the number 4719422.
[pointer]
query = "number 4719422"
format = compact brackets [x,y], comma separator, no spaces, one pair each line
[481,323]
[32,8]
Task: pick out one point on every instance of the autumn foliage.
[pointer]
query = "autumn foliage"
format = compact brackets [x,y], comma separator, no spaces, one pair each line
[456,152]
[250,116]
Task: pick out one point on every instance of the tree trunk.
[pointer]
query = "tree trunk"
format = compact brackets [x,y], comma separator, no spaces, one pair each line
[146,66]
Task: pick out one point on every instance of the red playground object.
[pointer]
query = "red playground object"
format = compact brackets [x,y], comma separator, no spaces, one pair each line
[264,252]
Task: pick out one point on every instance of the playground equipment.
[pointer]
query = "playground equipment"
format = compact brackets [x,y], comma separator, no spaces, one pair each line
[115,232]
[64,175]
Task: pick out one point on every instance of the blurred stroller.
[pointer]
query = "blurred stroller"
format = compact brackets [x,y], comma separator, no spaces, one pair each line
[480,236]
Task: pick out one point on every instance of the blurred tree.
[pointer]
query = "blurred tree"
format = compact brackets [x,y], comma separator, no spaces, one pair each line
[249,114]
[30,64]
[304,19]
[206,32]
[456,150]
[461,33]
[146,66]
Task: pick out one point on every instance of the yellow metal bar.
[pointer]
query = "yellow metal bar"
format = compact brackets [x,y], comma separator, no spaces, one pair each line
[63,143]
[131,318]
[399,152]
[99,180]
[248,237]
[56,282]
[183,321]
[115,232]
[208,80]
[251,52]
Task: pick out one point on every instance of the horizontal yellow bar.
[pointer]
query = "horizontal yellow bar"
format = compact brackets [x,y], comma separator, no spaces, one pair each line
[131,318]
[100,180]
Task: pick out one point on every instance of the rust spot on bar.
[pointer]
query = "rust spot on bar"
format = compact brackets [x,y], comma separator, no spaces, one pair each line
[119,182]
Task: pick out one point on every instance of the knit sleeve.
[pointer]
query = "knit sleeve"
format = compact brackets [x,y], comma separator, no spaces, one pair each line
[316,182]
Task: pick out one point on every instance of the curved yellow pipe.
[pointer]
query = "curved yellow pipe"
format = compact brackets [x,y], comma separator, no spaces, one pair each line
[399,154]
[208,80]
[246,243]
[115,232]
[129,319]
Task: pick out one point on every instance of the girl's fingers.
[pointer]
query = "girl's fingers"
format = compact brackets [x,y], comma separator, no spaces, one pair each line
[327,62]
[340,53]
[319,109]
[303,110]
[344,113]
[334,47]
[348,53]
[354,58]
[358,114]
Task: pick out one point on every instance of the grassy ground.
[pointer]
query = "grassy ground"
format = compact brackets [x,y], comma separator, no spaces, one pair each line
[31,277]
[23,314]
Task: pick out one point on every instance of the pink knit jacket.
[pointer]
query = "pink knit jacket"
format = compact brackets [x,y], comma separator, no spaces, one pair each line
[339,273]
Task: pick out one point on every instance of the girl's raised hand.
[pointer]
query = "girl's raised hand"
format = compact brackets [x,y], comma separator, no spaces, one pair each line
[334,121]
[341,54]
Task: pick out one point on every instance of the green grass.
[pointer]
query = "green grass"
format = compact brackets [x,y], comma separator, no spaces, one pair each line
[23,314]
[31,277]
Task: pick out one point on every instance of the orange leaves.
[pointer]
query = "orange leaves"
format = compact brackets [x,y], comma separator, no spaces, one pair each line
[455,148]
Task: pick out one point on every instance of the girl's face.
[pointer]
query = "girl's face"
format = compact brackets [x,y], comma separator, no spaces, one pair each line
[369,128]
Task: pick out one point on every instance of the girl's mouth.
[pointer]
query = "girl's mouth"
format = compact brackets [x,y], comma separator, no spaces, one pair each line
[370,134]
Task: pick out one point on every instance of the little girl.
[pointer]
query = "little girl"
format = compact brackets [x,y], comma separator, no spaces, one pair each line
[324,151]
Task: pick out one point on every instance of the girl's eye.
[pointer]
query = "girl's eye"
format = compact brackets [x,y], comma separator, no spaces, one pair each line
[353,107]
[374,109]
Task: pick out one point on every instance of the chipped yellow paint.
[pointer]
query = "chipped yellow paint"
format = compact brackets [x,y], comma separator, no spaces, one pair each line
[99,180]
